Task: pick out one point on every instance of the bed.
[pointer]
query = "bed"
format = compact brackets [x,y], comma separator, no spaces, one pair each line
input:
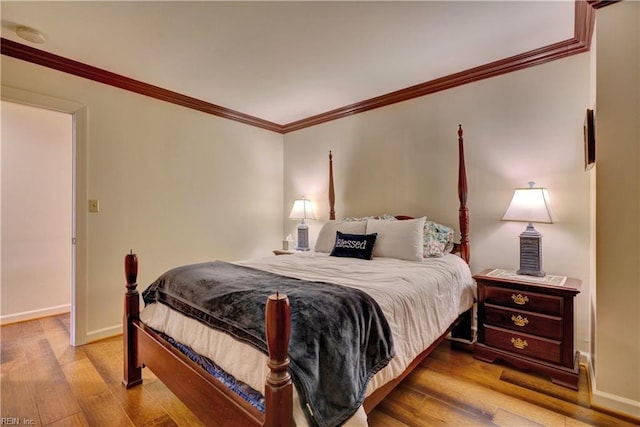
[195,351]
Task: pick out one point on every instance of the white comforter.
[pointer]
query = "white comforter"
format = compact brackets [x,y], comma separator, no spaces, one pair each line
[419,299]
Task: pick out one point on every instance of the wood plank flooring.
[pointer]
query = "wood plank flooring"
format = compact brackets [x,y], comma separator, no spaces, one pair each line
[45,382]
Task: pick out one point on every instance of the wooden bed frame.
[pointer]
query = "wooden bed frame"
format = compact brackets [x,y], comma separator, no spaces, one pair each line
[201,392]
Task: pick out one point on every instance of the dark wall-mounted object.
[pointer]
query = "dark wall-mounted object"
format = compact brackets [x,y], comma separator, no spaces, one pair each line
[589,140]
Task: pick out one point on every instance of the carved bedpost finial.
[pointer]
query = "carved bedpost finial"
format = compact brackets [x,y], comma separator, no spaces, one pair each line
[131,269]
[278,330]
[278,387]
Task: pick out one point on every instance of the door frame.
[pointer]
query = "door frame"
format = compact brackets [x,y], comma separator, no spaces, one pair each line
[79,268]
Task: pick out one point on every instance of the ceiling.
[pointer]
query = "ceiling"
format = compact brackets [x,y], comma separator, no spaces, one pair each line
[285,61]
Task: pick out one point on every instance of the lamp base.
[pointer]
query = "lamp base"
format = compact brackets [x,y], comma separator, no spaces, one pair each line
[531,252]
[531,273]
[303,237]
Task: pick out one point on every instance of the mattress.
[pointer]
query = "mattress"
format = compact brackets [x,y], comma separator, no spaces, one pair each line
[420,300]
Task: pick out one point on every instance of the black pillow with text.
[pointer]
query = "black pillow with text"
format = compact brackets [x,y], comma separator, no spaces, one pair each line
[354,245]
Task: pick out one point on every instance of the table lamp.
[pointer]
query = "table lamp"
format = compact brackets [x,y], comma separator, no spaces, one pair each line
[530,205]
[302,210]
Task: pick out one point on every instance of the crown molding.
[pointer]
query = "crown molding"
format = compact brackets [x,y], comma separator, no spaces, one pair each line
[580,42]
[66,65]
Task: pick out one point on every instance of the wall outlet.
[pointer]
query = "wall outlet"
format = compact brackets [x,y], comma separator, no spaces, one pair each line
[94,206]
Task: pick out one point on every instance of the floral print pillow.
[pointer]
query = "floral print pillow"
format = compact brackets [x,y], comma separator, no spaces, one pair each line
[438,239]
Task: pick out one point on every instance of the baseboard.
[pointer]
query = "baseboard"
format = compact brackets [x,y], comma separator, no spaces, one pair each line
[610,403]
[34,314]
[103,333]
[619,406]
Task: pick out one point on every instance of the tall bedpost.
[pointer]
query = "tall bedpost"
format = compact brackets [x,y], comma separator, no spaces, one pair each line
[332,195]
[463,331]
[278,393]
[132,372]
[463,212]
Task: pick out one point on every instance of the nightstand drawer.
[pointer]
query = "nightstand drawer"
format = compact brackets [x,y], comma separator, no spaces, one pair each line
[523,344]
[522,321]
[531,301]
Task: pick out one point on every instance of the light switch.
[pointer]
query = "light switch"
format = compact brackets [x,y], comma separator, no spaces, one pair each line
[94,206]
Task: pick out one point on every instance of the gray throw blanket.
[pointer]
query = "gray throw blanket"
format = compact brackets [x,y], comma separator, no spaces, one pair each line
[339,335]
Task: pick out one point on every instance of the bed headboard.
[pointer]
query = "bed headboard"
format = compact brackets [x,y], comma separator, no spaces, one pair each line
[461,248]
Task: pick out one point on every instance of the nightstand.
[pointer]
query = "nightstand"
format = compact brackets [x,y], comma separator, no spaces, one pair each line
[528,324]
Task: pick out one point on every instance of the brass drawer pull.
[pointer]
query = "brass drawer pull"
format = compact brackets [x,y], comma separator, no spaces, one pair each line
[518,343]
[519,299]
[519,320]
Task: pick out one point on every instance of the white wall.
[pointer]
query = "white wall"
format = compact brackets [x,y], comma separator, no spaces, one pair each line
[402,159]
[175,185]
[617,302]
[36,205]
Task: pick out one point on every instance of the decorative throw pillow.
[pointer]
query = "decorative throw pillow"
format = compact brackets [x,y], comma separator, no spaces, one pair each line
[438,239]
[398,239]
[327,236]
[354,245]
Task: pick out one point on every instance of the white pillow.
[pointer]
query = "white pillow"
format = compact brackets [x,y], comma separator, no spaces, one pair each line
[327,236]
[398,239]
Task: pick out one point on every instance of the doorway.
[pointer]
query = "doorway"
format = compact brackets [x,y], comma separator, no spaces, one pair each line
[29,214]
[36,215]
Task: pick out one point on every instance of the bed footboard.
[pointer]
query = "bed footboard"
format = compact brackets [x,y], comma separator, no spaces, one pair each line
[209,399]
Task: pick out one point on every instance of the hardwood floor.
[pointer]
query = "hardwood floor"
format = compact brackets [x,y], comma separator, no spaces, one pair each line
[45,382]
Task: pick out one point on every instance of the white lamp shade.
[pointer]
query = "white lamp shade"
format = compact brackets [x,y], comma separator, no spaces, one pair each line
[302,209]
[529,205]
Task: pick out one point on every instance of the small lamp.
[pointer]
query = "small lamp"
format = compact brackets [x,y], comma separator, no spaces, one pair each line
[530,205]
[302,210]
